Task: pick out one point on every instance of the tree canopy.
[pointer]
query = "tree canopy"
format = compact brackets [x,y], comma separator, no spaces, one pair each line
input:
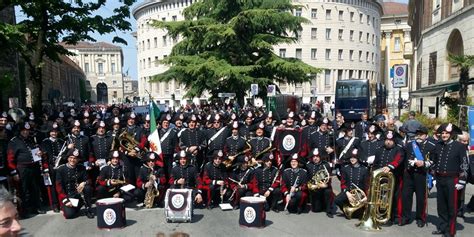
[228,45]
[46,23]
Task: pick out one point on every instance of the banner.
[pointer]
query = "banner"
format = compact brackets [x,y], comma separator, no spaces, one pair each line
[471,127]
[288,141]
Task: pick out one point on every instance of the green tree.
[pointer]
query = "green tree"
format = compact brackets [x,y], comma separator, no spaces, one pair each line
[228,45]
[49,22]
[464,63]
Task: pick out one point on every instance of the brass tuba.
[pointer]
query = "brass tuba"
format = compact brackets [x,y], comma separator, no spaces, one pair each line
[356,204]
[321,176]
[151,192]
[129,144]
[379,206]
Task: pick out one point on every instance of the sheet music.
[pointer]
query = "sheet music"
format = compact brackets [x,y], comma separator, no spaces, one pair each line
[225,206]
[74,202]
[47,180]
[127,188]
[34,152]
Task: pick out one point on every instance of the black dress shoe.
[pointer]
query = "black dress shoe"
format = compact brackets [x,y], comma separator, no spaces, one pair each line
[388,224]
[403,222]
[299,210]
[330,215]
[90,214]
[438,232]
[56,210]
[39,211]
[275,209]
[420,223]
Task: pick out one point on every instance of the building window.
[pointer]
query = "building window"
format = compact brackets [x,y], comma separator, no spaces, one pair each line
[155,42]
[164,40]
[314,54]
[367,56]
[351,35]
[339,54]
[149,62]
[360,55]
[86,55]
[298,34]
[114,82]
[328,14]
[112,68]
[163,18]
[361,16]
[282,53]
[373,58]
[174,18]
[397,45]
[432,68]
[352,16]
[341,32]
[100,67]
[314,13]
[360,36]
[351,55]
[298,54]
[328,54]
[314,33]
[339,75]
[418,74]
[368,38]
[156,61]
[368,20]
[298,12]
[86,67]
[148,43]
[341,15]
[328,33]
[373,39]
[327,78]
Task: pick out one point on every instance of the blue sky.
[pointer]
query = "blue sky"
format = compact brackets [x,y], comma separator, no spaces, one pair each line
[129,51]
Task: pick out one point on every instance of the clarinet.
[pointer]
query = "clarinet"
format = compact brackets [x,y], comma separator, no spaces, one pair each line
[292,193]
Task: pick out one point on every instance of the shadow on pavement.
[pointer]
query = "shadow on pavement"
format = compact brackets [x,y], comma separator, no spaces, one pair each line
[197,217]
[130,222]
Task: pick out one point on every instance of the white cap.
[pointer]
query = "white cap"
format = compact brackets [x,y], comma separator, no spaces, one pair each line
[235,124]
[147,117]
[182,154]
[116,120]
[115,154]
[61,114]
[102,124]
[86,114]
[291,114]
[315,152]
[132,115]
[77,123]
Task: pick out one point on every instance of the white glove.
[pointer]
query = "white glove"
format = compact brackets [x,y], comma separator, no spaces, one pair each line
[411,162]
[370,159]
[459,186]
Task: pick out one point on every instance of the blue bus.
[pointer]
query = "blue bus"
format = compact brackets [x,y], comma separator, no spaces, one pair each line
[356,96]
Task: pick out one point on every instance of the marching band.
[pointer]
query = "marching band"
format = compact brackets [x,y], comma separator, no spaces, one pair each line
[66,160]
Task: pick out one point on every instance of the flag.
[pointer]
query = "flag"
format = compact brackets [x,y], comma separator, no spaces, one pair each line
[154,137]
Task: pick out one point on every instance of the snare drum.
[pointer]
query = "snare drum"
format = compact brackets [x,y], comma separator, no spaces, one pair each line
[252,212]
[178,205]
[110,213]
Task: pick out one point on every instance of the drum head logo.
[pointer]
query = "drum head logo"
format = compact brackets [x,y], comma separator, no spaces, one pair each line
[249,214]
[109,216]
[289,142]
[177,200]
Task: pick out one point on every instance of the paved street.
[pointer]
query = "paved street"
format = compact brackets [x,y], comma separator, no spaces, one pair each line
[225,223]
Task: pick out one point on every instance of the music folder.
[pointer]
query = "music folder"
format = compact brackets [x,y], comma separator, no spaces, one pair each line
[225,206]
[127,188]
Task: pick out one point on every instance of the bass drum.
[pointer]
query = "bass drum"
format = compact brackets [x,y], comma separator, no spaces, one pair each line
[178,205]
[111,213]
[252,212]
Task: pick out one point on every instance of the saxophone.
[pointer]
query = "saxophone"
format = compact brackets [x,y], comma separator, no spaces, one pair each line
[151,192]
[357,203]
[320,177]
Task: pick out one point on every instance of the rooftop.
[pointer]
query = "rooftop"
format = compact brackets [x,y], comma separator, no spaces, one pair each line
[90,45]
[395,8]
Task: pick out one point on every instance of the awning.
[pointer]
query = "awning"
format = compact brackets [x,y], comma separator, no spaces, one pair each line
[436,90]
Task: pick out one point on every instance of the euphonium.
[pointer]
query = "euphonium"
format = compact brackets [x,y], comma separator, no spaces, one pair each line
[357,203]
[320,177]
[128,143]
[379,206]
[151,193]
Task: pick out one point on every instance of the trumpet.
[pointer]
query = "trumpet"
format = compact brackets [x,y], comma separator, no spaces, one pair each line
[129,144]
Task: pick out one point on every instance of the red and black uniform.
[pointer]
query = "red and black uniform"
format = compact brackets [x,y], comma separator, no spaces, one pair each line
[368,148]
[67,180]
[352,175]
[321,141]
[414,181]
[393,159]
[169,143]
[234,145]
[245,179]
[81,143]
[211,175]
[133,164]
[449,167]
[190,175]
[321,198]
[193,137]
[267,179]
[105,189]
[259,144]
[295,178]
[20,161]
[144,177]
[51,148]
[216,140]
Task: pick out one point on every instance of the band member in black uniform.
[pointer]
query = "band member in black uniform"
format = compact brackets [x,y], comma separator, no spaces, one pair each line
[169,143]
[114,133]
[320,194]
[414,177]
[74,189]
[150,174]
[449,167]
[321,139]
[25,170]
[312,127]
[112,178]
[389,158]
[86,126]
[132,161]
[213,180]
[248,128]
[186,175]
[294,186]
[259,144]
[347,143]
[353,176]
[361,127]
[267,182]
[5,137]
[235,145]
[368,147]
[193,141]
[269,124]
[240,182]
[100,146]
[51,147]
[216,137]
[76,140]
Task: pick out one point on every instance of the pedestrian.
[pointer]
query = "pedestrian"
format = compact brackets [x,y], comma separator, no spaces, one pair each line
[333,106]
[9,224]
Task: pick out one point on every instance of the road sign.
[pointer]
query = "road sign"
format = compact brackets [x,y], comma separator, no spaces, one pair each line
[400,75]
[254,89]
[271,90]
[226,95]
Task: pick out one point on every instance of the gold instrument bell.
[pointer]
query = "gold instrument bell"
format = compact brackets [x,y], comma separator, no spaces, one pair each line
[321,176]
